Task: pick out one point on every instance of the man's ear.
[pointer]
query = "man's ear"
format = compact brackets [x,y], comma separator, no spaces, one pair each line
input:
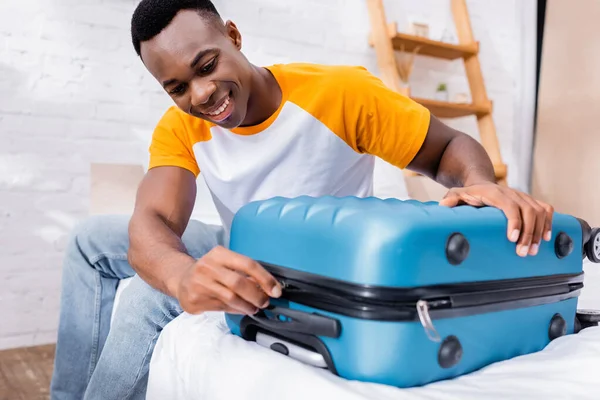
[234,34]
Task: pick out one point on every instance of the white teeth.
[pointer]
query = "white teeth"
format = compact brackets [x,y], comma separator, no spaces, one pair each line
[220,109]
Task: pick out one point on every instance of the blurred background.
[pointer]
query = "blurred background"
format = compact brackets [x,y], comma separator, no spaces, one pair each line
[77,109]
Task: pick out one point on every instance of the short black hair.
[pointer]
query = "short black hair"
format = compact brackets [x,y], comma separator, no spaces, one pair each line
[152,16]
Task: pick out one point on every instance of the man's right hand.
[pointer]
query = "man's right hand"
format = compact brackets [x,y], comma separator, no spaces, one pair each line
[223,280]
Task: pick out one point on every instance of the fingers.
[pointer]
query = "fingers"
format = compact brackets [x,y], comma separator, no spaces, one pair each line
[533,218]
[241,263]
[226,298]
[218,305]
[456,196]
[529,221]
[511,206]
[537,214]
[529,218]
[232,301]
[242,286]
[450,200]
[226,281]
[548,221]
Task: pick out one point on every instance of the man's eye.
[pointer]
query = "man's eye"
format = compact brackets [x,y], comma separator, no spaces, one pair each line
[179,89]
[208,67]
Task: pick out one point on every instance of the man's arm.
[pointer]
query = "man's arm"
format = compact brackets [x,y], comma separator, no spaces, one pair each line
[459,162]
[452,158]
[164,203]
[220,280]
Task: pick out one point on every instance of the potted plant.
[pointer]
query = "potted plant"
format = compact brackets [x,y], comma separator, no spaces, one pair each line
[441,93]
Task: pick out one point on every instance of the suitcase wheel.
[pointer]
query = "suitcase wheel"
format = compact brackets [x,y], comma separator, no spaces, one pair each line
[586,319]
[457,248]
[577,325]
[558,327]
[563,245]
[450,352]
[592,247]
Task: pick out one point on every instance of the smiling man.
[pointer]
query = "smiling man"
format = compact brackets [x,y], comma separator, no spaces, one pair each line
[251,133]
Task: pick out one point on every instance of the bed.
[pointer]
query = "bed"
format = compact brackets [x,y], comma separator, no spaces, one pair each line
[197,358]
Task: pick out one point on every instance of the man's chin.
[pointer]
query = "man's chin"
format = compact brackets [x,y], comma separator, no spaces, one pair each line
[233,120]
[228,122]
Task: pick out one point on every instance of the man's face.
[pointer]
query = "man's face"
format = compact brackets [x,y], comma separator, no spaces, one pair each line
[200,65]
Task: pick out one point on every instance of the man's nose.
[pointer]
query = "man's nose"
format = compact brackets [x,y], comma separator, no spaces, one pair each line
[201,91]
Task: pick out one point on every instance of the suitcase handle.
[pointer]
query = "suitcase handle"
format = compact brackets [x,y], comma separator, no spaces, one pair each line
[299,322]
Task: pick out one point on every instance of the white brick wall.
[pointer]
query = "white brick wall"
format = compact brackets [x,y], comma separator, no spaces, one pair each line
[72,92]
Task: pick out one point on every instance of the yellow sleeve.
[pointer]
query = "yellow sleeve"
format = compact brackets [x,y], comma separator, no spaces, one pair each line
[387,124]
[171,144]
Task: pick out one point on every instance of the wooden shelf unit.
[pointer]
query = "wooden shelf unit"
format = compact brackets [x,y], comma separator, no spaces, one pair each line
[428,47]
[386,39]
[433,48]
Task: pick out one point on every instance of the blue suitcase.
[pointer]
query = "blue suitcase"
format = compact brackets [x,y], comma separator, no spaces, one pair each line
[406,293]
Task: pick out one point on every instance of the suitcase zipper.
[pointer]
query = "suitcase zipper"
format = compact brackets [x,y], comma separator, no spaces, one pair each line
[423,313]
[461,293]
[422,304]
[424,309]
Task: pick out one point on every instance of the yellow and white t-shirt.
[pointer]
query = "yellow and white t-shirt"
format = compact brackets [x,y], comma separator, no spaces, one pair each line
[322,140]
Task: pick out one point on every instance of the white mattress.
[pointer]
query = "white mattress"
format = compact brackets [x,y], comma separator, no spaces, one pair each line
[197,358]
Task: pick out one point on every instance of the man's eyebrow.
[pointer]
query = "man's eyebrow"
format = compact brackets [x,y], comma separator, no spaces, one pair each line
[168,82]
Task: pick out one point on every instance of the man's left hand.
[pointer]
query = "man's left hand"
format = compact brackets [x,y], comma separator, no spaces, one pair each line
[529,220]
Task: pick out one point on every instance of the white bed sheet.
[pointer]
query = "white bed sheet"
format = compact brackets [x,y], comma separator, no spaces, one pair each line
[196,357]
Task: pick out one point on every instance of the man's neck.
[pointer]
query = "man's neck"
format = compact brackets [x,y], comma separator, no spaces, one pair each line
[265,97]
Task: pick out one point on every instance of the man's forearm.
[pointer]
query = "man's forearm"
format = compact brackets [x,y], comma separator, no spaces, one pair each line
[156,253]
[464,162]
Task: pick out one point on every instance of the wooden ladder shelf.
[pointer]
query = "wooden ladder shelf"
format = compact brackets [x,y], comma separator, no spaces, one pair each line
[386,39]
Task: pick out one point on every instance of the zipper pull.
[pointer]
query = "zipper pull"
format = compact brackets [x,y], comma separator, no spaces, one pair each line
[423,312]
[284,285]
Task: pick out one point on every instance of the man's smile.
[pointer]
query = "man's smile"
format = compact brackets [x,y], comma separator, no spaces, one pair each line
[222,110]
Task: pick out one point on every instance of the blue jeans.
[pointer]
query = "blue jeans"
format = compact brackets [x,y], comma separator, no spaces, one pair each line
[95,360]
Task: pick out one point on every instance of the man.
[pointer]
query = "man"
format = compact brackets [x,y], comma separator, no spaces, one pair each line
[252,133]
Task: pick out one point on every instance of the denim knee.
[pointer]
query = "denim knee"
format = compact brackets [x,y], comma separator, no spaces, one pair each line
[141,301]
[99,242]
[101,228]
